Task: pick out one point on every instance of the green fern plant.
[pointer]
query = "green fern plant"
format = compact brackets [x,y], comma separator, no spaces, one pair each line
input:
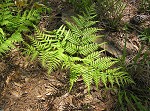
[48,48]
[144,6]
[145,35]
[81,5]
[13,23]
[8,43]
[75,50]
[127,100]
[111,13]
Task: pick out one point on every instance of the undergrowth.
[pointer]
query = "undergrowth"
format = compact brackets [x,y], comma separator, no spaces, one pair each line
[14,22]
[145,35]
[75,50]
[81,5]
[144,6]
[111,13]
[135,97]
[72,47]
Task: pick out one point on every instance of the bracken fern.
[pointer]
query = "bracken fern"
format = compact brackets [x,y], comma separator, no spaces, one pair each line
[13,22]
[75,50]
[8,43]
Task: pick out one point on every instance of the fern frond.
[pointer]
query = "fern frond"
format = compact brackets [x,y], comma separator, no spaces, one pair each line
[103,63]
[96,77]
[90,31]
[2,36]
[90,12]
[93,56]
[74,28]
[75,72]
[31,51]
[8,44]
[119,77]
[52,59]
[103,77]
[90,23]
[74,39]
[87,49]
[71,48]
[79,22]
[87,74]
[39,45]
[48,48]
[40,35]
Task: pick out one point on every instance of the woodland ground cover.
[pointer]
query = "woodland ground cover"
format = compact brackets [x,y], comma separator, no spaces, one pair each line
[86,55]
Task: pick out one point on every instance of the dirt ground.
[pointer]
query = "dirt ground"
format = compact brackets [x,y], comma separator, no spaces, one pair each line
[25,86]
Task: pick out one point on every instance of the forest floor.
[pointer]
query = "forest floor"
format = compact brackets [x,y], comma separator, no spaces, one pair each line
[25,86]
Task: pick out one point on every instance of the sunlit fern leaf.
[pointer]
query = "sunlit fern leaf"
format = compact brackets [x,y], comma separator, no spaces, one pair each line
[111,79]
[90,23]
[73,39]
[93,56]
[40,46]
[2,37]
[75,72]
[96,77]
[16,37]
[87,39]
[114,76]
[8,44]
[74,50]
[90,31]
[73,78]
[70,48]
[87,75]
[53,62]
[44,56]
[103,63]
[53,65]
[74,28]
[66,64]
[40,35]
[87,49]
[61,30]
[104,78]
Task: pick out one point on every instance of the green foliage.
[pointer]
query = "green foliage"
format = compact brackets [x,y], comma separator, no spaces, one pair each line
[13,22]
[7,44]
[144,6]
[81,5]
[111,12]
[145,35]
[48,48]
[129,101]
[135,96]
[75,50]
